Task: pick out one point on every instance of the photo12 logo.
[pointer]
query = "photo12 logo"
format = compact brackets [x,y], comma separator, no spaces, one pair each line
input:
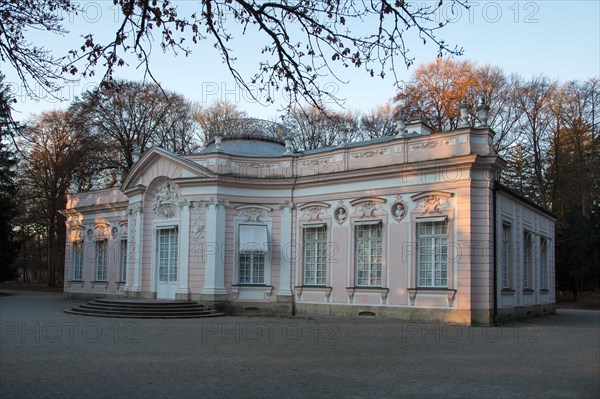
[525,12]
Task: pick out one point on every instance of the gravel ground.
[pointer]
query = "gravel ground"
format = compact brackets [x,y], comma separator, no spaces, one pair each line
[45,353]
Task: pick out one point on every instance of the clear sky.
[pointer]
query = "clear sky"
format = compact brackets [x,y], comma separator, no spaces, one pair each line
[560,39]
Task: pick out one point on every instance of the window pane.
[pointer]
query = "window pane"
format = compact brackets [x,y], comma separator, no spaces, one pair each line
[368,254]
[432,254]
[315,255]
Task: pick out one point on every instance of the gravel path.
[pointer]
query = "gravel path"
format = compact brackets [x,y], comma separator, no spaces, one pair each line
[45,353]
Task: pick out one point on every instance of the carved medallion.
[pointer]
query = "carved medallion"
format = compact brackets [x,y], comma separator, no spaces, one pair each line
[340,213]
[398,210]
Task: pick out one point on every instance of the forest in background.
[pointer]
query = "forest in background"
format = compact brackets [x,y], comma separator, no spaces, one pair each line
[547,131]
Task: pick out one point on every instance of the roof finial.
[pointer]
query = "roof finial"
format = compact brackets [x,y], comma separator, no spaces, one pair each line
[464,113]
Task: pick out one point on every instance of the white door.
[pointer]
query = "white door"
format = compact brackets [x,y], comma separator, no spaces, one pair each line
[167,255]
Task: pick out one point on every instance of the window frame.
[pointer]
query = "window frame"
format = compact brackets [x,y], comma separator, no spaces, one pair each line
[78,260]
[527,269]
[434,237]
[254,255]
[101,256]
[321,263]
[123,259]
[169,273]
[506,256]
[370,270]
[543,263]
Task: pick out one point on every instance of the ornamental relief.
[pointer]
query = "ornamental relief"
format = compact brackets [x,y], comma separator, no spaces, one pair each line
[433,144]
[315,162]
[252,214]
[166,201]
[369,154]
[313,213]
[432,204]
[101,230]
[77,233]
[199,226]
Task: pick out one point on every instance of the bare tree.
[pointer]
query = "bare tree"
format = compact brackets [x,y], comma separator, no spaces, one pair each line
[218,117]
[312,128]
[131,116]
[51,152]
[436,90]
[376,123]
[302,41]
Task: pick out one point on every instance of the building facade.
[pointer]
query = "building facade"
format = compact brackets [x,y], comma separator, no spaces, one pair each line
[412,226]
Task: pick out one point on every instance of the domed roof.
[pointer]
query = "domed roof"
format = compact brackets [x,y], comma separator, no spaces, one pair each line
[249,137]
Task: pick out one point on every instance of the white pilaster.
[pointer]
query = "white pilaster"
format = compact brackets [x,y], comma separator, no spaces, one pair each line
[285,281]
[183,286]
[137,286]
[214,271]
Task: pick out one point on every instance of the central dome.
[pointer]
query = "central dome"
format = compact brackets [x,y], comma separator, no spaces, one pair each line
[248,137]
[250,129]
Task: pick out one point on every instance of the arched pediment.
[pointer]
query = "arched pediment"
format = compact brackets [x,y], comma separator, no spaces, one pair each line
[159,162]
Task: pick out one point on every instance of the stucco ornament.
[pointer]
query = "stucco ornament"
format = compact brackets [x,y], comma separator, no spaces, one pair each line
[199,226]
[431,204]
[76,233]
[252,214]
[101,230]
[114,232]
[166,201]
[313,213]
[368,209]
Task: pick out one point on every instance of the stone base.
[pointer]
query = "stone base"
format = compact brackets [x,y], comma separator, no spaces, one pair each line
[524,312]
[182,296]
[140,294]
[90,295]
[457,316]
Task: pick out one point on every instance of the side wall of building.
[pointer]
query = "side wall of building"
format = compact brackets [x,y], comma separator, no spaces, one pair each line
[524,258]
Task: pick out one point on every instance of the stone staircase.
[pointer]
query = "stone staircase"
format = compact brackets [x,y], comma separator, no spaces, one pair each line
[143,309]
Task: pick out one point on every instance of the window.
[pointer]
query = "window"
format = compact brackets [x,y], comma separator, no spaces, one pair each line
[252,268]
[543,263]
[505,255]
[315,255]
[432,263]
[252,245]
[368,246]
[77,260]
[167,255]
[101,260]
[123,260]
[527,259]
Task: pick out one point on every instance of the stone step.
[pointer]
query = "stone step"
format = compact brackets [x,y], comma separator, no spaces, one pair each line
[143,308]
[83,312]
[146,311]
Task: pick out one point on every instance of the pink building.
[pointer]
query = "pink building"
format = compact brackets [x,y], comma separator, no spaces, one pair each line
[411,226]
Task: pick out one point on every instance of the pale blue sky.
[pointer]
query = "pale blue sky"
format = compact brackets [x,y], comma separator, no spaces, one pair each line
[560,39]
